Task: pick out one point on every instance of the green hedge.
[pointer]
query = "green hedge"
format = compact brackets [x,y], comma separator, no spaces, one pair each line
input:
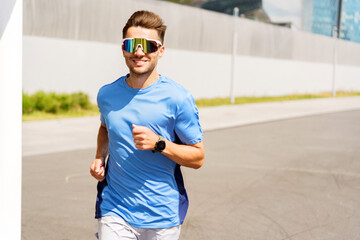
[54,102]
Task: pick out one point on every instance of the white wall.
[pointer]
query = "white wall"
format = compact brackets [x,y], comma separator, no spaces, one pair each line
[73,45]
[53,64]
[67,66]
[189,28]
[10,126]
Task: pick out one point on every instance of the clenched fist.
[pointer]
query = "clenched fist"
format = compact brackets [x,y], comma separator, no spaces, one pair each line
[97,169]
[144,137]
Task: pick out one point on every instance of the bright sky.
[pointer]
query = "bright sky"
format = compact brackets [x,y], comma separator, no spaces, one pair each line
[284,10]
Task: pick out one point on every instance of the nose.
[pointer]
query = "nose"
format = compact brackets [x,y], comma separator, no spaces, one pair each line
[139,51]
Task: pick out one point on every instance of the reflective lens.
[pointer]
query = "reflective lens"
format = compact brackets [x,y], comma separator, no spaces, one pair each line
[147,45]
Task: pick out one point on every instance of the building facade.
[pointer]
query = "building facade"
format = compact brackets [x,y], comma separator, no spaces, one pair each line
[322,16]
[350,20]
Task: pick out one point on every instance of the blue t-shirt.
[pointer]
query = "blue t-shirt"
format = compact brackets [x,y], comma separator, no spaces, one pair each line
[145,188]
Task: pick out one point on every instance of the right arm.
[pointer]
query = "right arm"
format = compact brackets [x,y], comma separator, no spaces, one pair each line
[97,168]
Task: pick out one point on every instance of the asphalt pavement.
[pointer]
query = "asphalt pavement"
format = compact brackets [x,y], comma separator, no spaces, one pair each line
[287,170]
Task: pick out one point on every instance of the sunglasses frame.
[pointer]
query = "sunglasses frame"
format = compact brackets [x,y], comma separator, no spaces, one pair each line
[159,44]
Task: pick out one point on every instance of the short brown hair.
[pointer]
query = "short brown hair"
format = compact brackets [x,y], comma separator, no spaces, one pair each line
[148,20]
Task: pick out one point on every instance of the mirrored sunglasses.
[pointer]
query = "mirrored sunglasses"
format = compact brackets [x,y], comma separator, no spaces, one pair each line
[147,45]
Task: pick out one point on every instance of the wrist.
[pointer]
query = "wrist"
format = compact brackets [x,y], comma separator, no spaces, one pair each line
[160,145]
[101,158]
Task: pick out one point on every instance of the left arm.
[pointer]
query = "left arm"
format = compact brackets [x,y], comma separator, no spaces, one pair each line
[192,156]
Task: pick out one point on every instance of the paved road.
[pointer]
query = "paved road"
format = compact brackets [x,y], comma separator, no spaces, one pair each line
[292,179]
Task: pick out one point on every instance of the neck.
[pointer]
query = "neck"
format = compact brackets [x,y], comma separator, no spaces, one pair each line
[139,81]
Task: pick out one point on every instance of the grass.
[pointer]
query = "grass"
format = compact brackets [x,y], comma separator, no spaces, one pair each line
[44,106]
[246,100]
[39,115]
[93,110]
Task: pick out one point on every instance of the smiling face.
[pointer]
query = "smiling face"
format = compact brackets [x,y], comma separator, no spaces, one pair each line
[142,64]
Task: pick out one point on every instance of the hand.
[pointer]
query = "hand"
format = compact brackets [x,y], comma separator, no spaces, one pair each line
[144,138]
[97,169]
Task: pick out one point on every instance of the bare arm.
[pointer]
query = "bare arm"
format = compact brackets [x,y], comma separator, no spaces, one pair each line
[97,168]
[185,155]
[192,156]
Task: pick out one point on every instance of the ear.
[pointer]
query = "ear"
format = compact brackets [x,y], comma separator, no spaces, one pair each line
[161,51]
[123,51]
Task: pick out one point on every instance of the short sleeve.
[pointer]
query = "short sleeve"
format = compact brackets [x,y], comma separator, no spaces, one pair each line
[187,126]
[99,104]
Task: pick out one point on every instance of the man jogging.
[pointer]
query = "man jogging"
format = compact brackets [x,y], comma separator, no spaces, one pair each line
[149,128]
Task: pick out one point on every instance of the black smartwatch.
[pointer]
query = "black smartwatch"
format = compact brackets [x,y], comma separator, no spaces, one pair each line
[159,145]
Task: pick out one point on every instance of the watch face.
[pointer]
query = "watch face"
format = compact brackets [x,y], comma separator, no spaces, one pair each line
[160,145]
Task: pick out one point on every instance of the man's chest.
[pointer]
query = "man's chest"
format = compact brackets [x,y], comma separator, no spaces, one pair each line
[159,116]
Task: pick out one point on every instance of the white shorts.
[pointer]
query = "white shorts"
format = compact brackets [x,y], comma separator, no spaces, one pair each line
[113,228]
